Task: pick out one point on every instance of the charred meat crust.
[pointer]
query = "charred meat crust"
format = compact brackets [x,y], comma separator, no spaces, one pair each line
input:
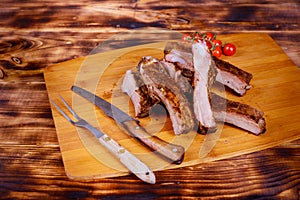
[233,77]
[180,46]
[135,88]
[182,81]
[230,68]
[143,92]
[162,86]
[238,114]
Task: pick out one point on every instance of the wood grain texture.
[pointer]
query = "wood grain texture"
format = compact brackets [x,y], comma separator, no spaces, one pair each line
[36,34]
[272,173]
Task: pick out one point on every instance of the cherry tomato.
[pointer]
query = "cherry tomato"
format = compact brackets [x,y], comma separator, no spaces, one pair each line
[196,37]
[186,37]
[209,36]
[217,52]
[217,43]
[229,49]
[208,44]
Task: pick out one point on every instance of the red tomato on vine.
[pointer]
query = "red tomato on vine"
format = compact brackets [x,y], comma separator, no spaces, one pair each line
[217,52]
[215,46]
[229,49]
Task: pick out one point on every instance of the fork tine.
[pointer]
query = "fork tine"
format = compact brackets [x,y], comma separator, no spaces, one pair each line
[62,112]
[69,108]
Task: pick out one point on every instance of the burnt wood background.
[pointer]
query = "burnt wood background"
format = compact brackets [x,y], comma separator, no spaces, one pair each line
[36,34]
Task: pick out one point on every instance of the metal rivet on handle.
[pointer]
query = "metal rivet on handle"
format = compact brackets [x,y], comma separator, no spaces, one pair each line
[122,151]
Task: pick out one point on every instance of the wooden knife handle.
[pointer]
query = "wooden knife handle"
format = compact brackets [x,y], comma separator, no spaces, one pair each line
[171,152]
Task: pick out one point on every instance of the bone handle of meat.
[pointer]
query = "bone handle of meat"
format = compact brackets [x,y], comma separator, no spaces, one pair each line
[172,152]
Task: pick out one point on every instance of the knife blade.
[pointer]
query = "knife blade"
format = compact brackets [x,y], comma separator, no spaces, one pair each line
[169,151]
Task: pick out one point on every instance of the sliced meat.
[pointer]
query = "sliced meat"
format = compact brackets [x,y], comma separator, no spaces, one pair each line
[179,46]
[229,75]
[162,86]
[181,81]
[135,88]
[190,69]
[233,77]
[224,110]
[180,54]
[204,77]
[170,68]
[238,114]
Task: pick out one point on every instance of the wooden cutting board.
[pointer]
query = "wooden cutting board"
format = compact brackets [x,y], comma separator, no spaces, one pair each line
[275,90]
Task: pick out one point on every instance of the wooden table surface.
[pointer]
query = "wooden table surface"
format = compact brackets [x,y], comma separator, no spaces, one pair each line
[36,34]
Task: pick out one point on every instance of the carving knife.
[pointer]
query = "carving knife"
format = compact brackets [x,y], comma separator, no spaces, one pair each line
[171,152]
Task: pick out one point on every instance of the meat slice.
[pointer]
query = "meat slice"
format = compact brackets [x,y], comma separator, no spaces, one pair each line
[233,77]
[178,46]
[182,82]
[161,85]
[238,114]
[204,77]
[229,75]
[224,110]
[134,87]
[180,54]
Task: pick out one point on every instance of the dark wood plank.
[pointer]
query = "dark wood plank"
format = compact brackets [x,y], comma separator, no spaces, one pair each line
[38,173]
[25,114]
[34,36]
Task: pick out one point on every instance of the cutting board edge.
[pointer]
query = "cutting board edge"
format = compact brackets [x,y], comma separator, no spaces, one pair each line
[207,159]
